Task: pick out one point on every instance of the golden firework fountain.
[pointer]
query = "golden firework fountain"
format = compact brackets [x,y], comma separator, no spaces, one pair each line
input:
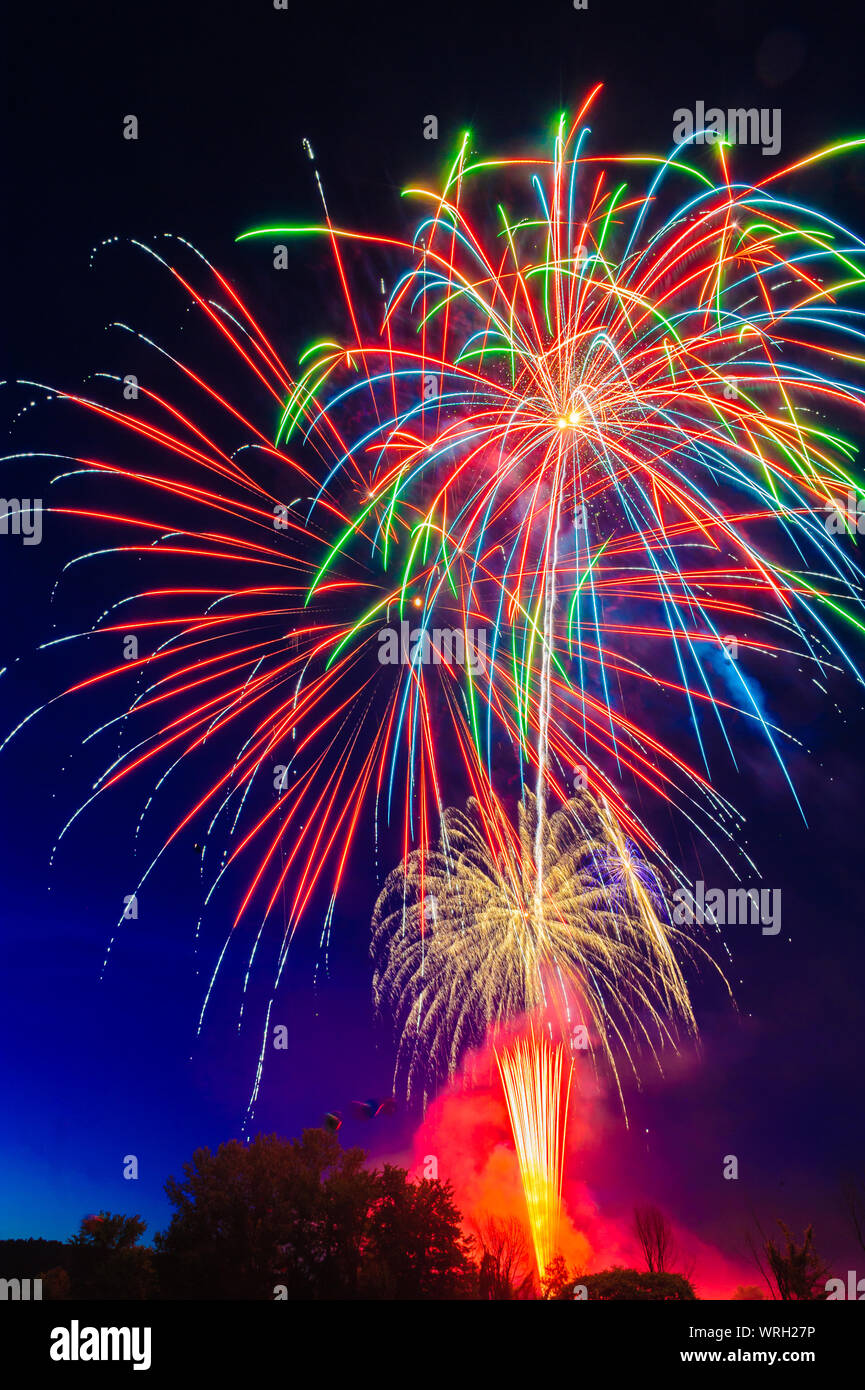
[536,1078]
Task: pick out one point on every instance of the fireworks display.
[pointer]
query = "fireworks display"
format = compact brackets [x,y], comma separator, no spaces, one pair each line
[567,432]
[565,926]
[602,439]
[463,943]
[587,429]
[536,1079]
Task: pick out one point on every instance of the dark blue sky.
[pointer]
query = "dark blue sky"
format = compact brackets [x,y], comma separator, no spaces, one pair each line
[98,1068]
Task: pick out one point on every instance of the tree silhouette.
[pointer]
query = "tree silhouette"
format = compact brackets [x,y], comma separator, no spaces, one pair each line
[303,1219]
[634,1285]
[109,1232]
[655,1235]
[506,1269]
[413,1246]
[793,1270]
[556,1280]
[108,1262]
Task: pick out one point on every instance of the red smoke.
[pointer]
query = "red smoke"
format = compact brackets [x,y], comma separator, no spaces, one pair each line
[465,1139]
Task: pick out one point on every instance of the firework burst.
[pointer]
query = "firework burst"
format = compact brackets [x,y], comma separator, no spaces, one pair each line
[464,943]
[596,423]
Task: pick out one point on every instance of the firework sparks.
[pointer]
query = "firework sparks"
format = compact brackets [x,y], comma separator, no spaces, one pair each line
[462,944]
[594,425]
[536,1079]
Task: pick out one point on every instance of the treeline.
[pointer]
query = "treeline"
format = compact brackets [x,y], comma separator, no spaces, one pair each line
[305,1219]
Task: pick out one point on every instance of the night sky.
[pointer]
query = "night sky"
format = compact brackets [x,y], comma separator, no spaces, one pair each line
[95,1069]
